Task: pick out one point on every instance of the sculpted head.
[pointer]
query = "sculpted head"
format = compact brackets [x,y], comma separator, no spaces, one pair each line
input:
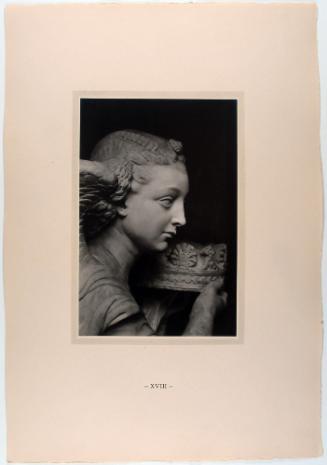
[139,179]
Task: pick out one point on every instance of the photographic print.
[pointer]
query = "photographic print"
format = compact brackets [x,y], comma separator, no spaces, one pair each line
[158,217]
[174,150]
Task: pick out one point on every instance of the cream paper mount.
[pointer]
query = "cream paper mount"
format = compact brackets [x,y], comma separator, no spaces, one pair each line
[256,396]
[185,266]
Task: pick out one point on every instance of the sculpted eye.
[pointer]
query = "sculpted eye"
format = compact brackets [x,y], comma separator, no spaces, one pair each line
[166,202]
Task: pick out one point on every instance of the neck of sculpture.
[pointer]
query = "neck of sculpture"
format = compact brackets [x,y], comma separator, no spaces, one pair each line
[113,242]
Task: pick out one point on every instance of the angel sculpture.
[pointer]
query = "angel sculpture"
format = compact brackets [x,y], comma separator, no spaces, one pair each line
[132,193]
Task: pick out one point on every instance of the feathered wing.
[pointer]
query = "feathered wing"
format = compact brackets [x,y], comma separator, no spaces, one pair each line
[97,185]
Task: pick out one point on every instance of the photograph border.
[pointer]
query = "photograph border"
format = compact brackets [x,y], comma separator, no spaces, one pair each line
[240,275]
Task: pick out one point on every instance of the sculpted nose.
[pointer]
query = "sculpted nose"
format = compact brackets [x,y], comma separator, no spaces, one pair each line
[179,216]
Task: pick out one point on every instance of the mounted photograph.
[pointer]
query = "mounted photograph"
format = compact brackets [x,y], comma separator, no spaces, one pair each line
[158,217]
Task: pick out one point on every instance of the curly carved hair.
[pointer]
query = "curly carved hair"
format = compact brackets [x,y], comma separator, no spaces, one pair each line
[118,163]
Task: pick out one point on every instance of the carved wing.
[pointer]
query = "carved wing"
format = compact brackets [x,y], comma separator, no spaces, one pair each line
[96,186]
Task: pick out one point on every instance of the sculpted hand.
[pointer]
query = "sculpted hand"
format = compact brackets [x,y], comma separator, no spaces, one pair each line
[209,303]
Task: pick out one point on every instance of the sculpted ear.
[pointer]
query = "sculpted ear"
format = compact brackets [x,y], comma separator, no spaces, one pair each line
[122,211]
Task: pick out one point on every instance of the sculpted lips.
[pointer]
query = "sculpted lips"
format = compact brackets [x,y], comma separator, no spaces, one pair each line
[169,234]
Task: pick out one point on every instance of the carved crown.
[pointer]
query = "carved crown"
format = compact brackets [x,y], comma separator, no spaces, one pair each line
[185,266]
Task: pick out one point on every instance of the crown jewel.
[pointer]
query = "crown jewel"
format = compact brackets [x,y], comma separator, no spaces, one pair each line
[185,266]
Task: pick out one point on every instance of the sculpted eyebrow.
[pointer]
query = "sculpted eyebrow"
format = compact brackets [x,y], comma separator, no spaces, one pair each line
[172,190]
[169,191]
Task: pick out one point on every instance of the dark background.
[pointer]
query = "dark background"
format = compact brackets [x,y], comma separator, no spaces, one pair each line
[208,131]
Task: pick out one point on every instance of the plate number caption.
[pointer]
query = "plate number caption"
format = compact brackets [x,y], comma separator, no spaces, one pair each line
[158,386]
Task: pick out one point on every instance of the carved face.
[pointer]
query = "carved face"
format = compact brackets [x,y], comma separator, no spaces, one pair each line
[155,210]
